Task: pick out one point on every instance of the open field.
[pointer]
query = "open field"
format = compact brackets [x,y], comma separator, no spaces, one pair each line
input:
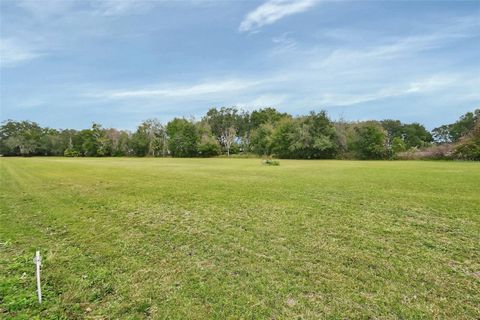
[229,238]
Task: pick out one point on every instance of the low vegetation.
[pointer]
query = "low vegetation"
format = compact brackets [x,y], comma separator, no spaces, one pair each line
[163,238]
[271,162]
[264,132]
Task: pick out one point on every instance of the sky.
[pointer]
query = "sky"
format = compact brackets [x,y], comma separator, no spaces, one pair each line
[66,64]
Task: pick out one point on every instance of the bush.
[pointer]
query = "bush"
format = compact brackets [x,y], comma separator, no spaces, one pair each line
[369,141]
[243,155]
[469,146]
[183,138]
[436,152]
[71,153]
[208,149]
[468,150]
[270,162]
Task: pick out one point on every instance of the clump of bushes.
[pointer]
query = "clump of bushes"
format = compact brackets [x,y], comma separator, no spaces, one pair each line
[435,152]
[208,149]
[466,148]
[71,153]
[469,146]
[469,150]
[270,162]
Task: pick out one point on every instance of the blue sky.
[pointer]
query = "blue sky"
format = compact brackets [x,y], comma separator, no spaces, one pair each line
[117,62]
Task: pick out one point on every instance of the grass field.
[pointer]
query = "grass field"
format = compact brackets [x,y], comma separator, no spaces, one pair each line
[230,238]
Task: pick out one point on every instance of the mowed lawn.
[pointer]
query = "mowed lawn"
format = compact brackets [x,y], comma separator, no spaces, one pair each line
[135,238]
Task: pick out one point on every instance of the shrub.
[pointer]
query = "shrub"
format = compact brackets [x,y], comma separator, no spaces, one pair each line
[436,152]
[208,149]
[469,146]
[369,141]
[469,150]
[270,162]
[398,145]
[183,138]
[71,153]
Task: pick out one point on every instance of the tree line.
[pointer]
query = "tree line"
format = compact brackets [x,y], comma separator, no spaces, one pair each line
[264,132]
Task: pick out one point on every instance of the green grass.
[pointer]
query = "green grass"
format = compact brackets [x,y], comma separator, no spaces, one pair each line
[231,238]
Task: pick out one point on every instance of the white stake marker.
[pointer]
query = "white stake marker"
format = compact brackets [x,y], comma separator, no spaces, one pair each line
[38,262]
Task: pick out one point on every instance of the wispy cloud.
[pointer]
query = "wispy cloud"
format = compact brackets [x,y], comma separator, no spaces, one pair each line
[284,42]
[401,47]
[58,8]
[390,68]
[46,27]
[272,11]
[426,85]
[264,100]
[13,53]
[45,9]
[121,7]
[432,83]
[182,91]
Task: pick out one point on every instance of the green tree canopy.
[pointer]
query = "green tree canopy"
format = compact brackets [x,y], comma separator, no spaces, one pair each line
[183,138]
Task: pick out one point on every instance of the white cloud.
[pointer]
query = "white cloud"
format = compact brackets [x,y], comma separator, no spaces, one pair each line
[348,55]
[391,67]
[402,47]
[121,7]
[13,52]
[45,9]
[59,8]
[258,93]
[272,11]
[45,27]
[264,100]
[180,91]
[284,42]
[430,84]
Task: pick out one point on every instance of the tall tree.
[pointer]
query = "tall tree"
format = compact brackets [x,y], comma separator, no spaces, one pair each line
[454,131]
[261,124]
[157,137]
[183,138]
[415,135]
[207,146]
[261,139]
[464,125]
[283,138]
[468,147]
[226,124]
[321,133]
[393,129]
[150,139]
[370,141]
[20,138]
[93,142]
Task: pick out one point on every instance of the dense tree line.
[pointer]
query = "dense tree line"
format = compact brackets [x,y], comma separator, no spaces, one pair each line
[264,132]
